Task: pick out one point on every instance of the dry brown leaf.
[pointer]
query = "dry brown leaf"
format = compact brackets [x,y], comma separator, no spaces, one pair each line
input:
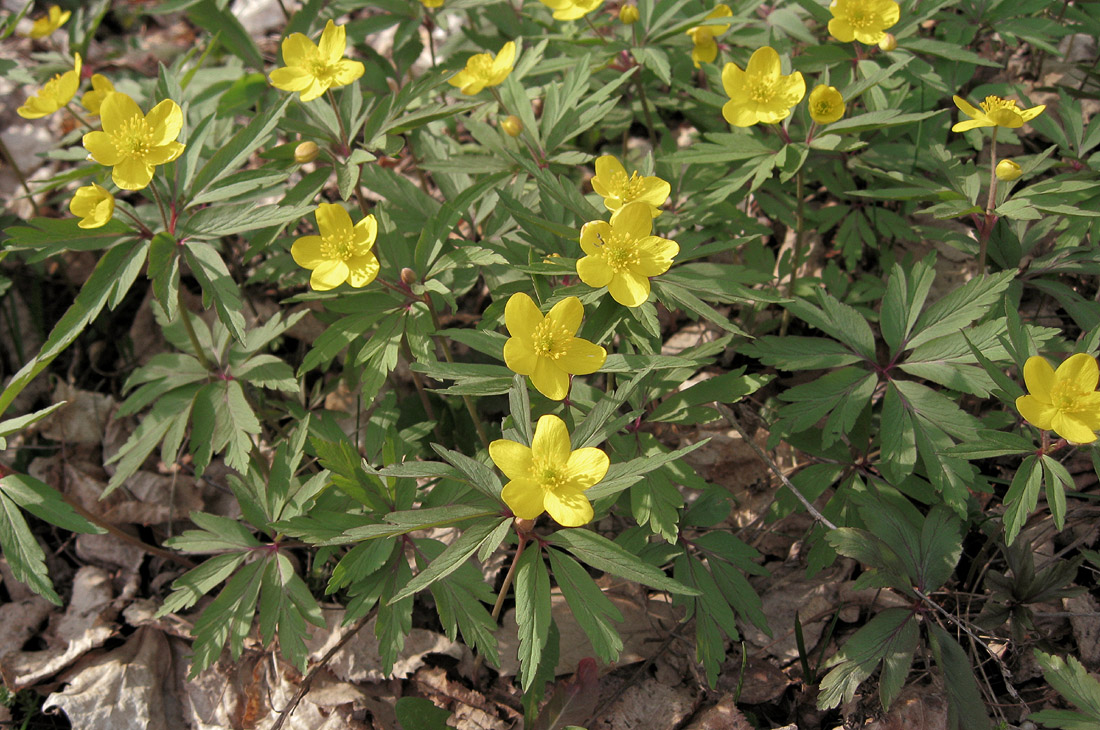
[83,418]
[786,592]
[471,710]
[358,660]
[86,624]
[1085,620]
[921,707]
[650,705]
[722,716]
[130,688]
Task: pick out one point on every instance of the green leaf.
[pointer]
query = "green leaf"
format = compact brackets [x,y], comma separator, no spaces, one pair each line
[714,619]
[990,444]
[621,475]
[725,388]
[450,559]
[1072,681]
[236,218]
[532,613]
[197,582]
[801,353]
[519,405]
[903,301]
[961,307]
[838,320]
[219,21]
[103,284]
[602,554]
[217,286]
[227,618]
[1022,497]
[24,555]
[480,476]
[216,533]
[439,226]
[591,608]
[890,636]
[54,235]
[46,503]
[965,707]
[419,713]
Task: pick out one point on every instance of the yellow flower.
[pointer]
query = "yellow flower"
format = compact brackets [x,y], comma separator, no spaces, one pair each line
[546,348]
[571,9]
[1064,401]
[483,70]
[1008,170]
[617,189]
[93,100]
[342,251]
[54,94]
[432,3]
[995,112]
[826,104]
[760,93]
[133,144]
[47,24]
[312,70]
[706,49]
[865,21]
[622,254]
[629,15]
[94,205]
[547,475]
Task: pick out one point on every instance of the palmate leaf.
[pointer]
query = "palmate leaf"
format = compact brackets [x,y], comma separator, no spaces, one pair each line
[890,637]
[228,618]
[460,600]
[593,611]
[452,558]
[603,554]
[24,555]
[714,619]
[1073,682]
[532,614]
[286,605]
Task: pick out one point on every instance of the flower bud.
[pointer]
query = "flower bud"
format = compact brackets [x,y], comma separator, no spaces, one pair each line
[1007,170]
[826,104]
[306,152]
[512,125]
[888,42]
[408,276]
[524,526]
[628,14]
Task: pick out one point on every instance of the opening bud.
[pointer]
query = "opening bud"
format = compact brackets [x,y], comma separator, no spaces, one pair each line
[888,42]
[1007,170]
[628,14]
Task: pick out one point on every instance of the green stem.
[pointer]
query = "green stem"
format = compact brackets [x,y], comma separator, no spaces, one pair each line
[508,577]
[79,117]
[339,120]
[185,315]
[645,107]
[990,204]
[160,203]
[796,255]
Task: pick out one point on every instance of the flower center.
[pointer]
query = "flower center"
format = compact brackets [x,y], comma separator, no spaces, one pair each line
[823,109]
[619,252]
[996,103]
[551,339]
[322,71]
[859,16]
[761,90]
[550,476]
[338,247]
[1064,395]
[134,137]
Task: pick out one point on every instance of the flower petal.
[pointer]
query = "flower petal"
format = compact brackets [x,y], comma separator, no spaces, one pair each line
[512,458]
[102,148]
[733,80]
[298,50]
[586,467]
[968,124]
[132,174]
[1038,413]
[568,510]
[655,255]
[842,30]
[634,220]
[550,380]
[1088,410]
[551,441]
[291,78]
[582,357]
[364,233]
[1079,369]
[166,121]
[521,317]
[116,111]
[346,71]
[608,168]
[519,356]
[764,64]
[333,42]
[329,275]
[629,289]
[1072,429]
[739,113]
[1039,377]
[362,269]
[525,497]
[594,271]
[593,234]
[306,252]
[505,60]
[333,220]
[966,107]
[567,313]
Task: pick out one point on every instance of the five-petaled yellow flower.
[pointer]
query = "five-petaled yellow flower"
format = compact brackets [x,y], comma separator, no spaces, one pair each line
[133,144]
[547,348]
[571,9]
[1064,400]
[760,93]
[342,251]
[93,100]
[94,205]
[622,254]
[994,112]
[483,70]
[311,70]
[54,18]
[865,21]
[548,475]
[706,48]
[54,94]
[826,104]
[617,188]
